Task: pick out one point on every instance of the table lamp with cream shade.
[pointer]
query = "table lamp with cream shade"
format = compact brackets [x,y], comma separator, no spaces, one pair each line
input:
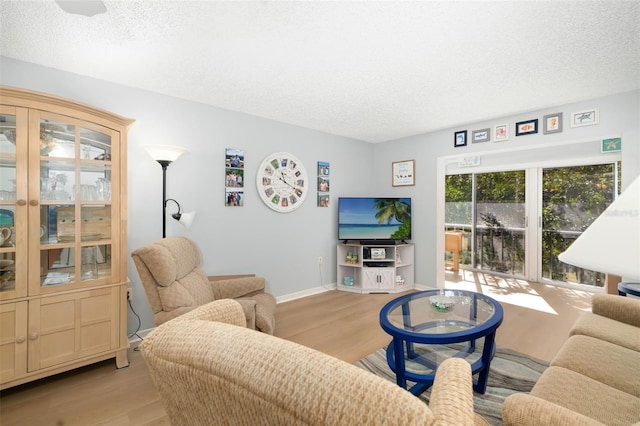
[611,244]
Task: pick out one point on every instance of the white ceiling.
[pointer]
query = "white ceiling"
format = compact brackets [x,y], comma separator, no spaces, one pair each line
[373,71]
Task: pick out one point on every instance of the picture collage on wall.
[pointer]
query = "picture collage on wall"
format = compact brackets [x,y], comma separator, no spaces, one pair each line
[551,123]
[234,177]
[323,184]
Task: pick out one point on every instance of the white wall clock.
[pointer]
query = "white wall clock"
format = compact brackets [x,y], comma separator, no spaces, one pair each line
[282,182]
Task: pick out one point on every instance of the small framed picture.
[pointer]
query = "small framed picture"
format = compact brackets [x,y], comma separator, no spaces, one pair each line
[403,173]
[483,135]
[611,145]
[528,127]
[552,123]
[588,117]
[460,138]
[501,133]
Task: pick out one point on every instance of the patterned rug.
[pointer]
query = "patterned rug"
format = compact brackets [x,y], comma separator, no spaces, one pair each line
[510,372]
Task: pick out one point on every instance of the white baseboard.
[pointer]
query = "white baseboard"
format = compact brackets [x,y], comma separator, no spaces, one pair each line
[139,336]
[305,293]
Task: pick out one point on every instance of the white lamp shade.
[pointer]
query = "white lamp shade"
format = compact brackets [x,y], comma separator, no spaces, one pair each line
[164,152]
[611,244]
[186,219]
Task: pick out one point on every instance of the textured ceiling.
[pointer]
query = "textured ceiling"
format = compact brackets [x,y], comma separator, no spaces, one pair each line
[373,71]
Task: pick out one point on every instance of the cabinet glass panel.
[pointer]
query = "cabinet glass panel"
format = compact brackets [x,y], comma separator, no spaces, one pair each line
[57,180]
[7,202]
[57,259]
[7,134]
[95,167]
[95,182]
[7,159]
[67,265]
[57,139]
[95,145]
[60,224]
[74,250]
[7,249]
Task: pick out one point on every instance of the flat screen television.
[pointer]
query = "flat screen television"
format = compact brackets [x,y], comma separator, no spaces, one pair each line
[374,219]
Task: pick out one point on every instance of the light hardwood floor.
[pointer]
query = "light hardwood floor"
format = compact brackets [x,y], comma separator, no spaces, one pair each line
[345,325]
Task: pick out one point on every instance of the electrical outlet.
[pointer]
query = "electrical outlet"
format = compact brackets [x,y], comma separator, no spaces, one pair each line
[129,295]
[320,260]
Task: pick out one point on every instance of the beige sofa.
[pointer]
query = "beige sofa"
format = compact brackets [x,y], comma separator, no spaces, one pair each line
[175,284]
[210,369]
[595,377]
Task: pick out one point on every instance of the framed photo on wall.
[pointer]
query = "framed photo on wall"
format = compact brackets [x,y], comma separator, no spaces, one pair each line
[483,135]
[234,177]
[552,123]
[528,127]
[585,118]
[460,138]
[501,133]
[403,173]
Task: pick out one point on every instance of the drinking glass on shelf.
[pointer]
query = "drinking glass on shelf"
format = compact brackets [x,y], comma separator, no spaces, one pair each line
[89,263]
[104,189]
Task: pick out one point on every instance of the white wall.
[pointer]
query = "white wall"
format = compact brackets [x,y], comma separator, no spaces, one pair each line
[284,247]
[619,116]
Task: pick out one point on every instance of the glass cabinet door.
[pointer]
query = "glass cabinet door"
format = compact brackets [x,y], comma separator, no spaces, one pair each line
[71,227]
[13,210]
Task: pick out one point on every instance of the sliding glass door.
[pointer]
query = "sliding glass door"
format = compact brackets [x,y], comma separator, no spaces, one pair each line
[572,198]
[507,231]
[488,211]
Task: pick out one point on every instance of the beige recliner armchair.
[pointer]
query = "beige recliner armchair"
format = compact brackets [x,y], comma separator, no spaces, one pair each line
[174,283]
[210,369]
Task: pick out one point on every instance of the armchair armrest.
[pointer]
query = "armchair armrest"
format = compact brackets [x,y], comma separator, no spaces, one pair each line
[452,395]
[232,288]
[227,311]
[523,409]
[623,309]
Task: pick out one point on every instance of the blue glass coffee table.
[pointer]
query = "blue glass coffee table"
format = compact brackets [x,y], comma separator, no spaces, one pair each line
[626,288]
[430,326]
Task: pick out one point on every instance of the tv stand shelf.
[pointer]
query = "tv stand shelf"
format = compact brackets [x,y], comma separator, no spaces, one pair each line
[375,268]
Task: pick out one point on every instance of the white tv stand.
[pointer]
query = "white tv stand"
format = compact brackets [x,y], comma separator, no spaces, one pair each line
[378,268]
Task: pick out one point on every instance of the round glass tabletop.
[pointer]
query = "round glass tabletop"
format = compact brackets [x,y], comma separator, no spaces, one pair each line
[629,288]
[436,316]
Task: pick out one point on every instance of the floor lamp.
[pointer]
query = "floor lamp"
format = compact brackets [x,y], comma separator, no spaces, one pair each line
[611,244]
[165,155]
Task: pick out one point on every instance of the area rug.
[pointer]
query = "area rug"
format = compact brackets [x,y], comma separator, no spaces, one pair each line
[510,372]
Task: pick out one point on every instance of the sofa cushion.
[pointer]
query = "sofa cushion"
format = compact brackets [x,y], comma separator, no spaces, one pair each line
[170,260]
[587,396]
[190,291]
[604,328]
[175,296]
[626,310]
[159,262]
[605,362]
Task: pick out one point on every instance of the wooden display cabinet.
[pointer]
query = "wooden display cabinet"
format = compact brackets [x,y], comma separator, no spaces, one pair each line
[63,277]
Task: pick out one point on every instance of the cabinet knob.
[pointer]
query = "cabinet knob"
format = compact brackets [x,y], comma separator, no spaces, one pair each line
[20,339]
[21,202]
[33,336]
[33,203]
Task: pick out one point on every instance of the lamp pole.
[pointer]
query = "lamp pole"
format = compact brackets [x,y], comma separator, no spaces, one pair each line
[164,155]
[164,164]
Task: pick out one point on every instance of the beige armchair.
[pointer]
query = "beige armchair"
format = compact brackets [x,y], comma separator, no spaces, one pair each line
[174,283]
[210,369]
